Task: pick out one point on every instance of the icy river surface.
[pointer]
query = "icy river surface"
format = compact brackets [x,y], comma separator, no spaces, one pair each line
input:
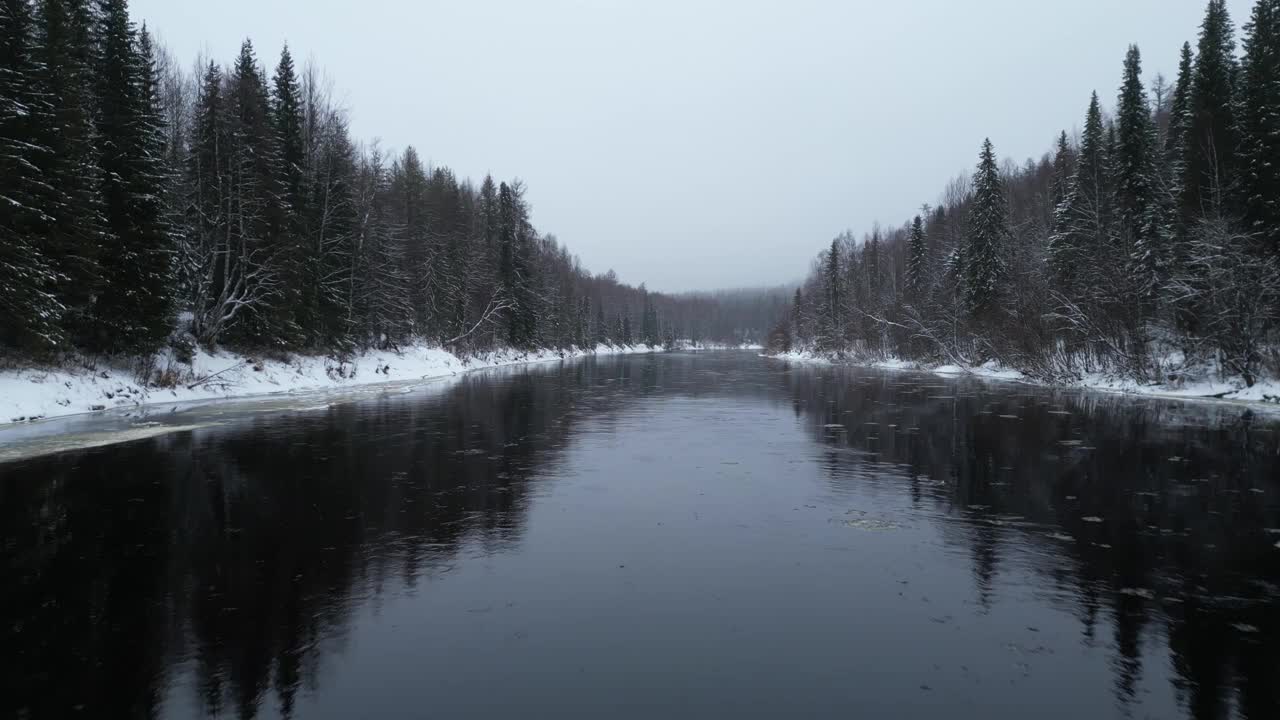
[649,536]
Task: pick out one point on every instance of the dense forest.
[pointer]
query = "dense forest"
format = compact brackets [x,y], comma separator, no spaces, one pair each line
[1148,246]
[143,206]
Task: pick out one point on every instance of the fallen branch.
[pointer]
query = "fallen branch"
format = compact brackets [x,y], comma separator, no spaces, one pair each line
[496,306]
[207,378]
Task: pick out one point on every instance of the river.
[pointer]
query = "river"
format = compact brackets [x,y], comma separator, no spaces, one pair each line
[674,535]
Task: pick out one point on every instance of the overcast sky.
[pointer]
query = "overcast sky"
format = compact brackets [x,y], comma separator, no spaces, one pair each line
[705,144]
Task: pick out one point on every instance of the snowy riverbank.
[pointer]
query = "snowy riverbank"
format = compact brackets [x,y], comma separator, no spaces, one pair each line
[38,393]
[1264,392]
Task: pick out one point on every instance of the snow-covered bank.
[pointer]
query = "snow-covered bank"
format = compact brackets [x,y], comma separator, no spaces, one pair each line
[685,345]
[1264,392]
[989,370]
[39,393]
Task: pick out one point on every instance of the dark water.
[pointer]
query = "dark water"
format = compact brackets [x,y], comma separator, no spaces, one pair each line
[660,536]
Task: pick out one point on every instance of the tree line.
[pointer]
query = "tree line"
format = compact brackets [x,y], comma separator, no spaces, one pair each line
[1148,245]
[143,206]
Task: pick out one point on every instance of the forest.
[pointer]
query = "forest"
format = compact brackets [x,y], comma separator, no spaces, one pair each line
[144,206]
[1145,245]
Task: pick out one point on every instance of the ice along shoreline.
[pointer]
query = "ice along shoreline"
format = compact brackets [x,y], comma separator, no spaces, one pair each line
[1264,395]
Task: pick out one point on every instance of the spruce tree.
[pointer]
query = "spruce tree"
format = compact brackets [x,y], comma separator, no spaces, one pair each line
[515,271]
[287,123]
[410,189]
[507,277]
[382,289]
[1173,161]
[649,322]
[1081,223]
[986,238]
[798,315]
[333,234]
[200,276]
[489,211]
[871,266]
[1260,123]
[133,311]
[445,276]
[30,313]
[601,335]
[1209,171]
[259,218]
[286,112]
[582,330]
[1180,112]
[1061,253]
[831,320]
[1062,171]
[1134,165]
[917,259]
[74,230]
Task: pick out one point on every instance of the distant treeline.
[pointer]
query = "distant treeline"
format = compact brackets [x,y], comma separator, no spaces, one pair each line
[1148,246]
[141,205]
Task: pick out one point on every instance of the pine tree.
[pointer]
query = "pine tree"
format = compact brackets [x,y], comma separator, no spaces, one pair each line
[1259,107]
[986,238]
[1081,223]
[1210,164]
[133,312]
[74,231]
[30,313]
[1134,163]
[917,259]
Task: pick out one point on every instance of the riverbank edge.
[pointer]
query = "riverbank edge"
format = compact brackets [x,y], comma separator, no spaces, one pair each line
[1263,395]
[33,394]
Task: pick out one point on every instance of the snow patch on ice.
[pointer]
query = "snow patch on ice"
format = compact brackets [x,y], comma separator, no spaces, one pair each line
[11,451]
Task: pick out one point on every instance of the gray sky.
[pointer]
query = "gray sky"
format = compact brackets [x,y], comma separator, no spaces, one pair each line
[699,144]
